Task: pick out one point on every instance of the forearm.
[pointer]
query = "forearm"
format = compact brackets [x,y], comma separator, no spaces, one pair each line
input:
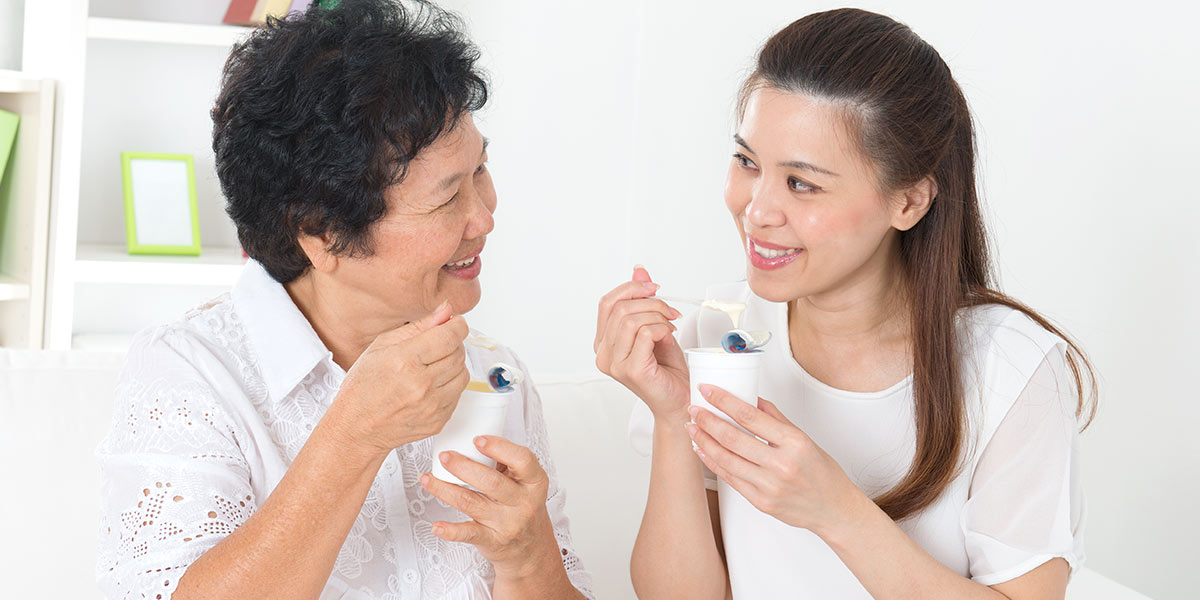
[675,555]
[547,579]
[288,547]
[907,571]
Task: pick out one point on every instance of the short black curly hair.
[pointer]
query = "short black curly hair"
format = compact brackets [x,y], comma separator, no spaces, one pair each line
[319,113]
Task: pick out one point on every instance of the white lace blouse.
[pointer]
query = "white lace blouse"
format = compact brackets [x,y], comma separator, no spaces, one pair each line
[212,409]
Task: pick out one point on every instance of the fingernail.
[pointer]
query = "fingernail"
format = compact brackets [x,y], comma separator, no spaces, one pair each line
[693,411]
[650,285]
[691,429]
[706,390]
[444,457]
[639,266]
[438,530]
[480,441]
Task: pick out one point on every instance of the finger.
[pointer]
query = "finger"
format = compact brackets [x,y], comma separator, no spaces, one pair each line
[440,315]
[642,305]
[723,463]
[523,465]
[643,351]
[641,274]
[469,502]
[455,387]
[448,368]
[625,333]
[495,485]
[740,442]
[440,341]
[745,414]
[626,291]
[468,532]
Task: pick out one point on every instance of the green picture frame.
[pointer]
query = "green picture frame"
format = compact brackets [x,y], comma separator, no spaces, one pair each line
[161,216]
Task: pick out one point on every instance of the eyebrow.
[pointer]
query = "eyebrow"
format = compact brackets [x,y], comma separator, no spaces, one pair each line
[794,164]
[450,180]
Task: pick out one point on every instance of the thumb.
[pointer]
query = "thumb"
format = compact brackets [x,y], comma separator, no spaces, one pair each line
[440,315]
[640,273]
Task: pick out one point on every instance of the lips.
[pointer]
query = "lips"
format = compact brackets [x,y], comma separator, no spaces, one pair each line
[467,267]
[768,256]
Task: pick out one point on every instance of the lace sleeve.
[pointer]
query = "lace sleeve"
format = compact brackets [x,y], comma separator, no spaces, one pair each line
[173,480]
[556,499]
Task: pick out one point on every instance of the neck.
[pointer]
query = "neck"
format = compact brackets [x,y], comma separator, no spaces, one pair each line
[340,316]
[869,307]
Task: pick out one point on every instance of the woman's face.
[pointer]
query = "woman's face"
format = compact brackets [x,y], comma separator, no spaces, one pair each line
[427,246]
[805,201]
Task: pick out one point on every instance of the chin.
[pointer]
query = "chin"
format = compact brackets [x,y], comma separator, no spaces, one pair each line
[465,298]
[774,287]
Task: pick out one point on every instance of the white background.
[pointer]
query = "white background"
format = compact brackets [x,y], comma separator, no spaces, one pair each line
[610,127]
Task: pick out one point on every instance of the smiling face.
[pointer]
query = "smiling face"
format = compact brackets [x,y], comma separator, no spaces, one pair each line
[428,243]
[806,202]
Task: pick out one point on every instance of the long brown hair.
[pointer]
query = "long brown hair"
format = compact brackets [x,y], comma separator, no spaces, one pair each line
[912,121]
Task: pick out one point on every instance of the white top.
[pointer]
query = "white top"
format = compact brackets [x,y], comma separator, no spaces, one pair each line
[1016,504]
[212,409]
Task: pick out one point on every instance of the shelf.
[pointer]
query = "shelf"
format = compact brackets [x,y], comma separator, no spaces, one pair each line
[106,342]
[16,82]
[101,28]
[11,289]
[112,264]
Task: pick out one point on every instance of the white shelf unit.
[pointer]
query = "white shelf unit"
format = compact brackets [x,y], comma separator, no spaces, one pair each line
[25,210]
[135,76]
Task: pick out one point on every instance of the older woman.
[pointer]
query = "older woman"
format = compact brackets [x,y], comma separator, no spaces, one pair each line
[275,442]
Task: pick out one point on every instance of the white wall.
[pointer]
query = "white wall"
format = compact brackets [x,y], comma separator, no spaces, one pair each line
[610,124]
[12,19]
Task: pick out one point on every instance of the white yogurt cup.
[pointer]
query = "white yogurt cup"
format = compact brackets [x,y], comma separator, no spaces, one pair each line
[480,411]
[734,373]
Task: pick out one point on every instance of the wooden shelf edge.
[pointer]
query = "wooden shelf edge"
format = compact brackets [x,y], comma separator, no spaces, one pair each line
[17,82]
[103,28]
[110,264]
[11,289]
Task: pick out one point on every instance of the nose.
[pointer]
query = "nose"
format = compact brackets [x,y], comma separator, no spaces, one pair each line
[483,205]
[764,209]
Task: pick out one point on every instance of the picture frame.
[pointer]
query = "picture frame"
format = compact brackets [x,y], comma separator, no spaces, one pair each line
[161,216]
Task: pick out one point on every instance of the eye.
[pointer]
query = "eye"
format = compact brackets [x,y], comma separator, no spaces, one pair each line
[799,186]
[480,168]
[744,162]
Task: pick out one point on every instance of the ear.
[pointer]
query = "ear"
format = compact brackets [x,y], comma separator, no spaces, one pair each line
[913,203]
[316,247]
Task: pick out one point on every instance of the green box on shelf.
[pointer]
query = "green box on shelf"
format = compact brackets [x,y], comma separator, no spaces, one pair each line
[160,203]
[8,137]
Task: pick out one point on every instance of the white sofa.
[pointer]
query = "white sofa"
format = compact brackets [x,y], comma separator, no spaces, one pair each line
[55,407]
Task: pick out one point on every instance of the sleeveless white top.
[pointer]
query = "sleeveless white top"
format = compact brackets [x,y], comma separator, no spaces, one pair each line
[1016,503]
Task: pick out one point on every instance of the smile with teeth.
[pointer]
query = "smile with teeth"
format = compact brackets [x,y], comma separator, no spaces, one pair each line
[462,264]
[769,253]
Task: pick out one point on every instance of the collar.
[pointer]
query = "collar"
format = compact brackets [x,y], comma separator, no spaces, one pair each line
[287,346]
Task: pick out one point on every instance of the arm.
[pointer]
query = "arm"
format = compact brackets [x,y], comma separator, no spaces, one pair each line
[304,522]
[1022,471]
[910,572]
[676,553]
[510,524]
[520,525]
[403,388]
